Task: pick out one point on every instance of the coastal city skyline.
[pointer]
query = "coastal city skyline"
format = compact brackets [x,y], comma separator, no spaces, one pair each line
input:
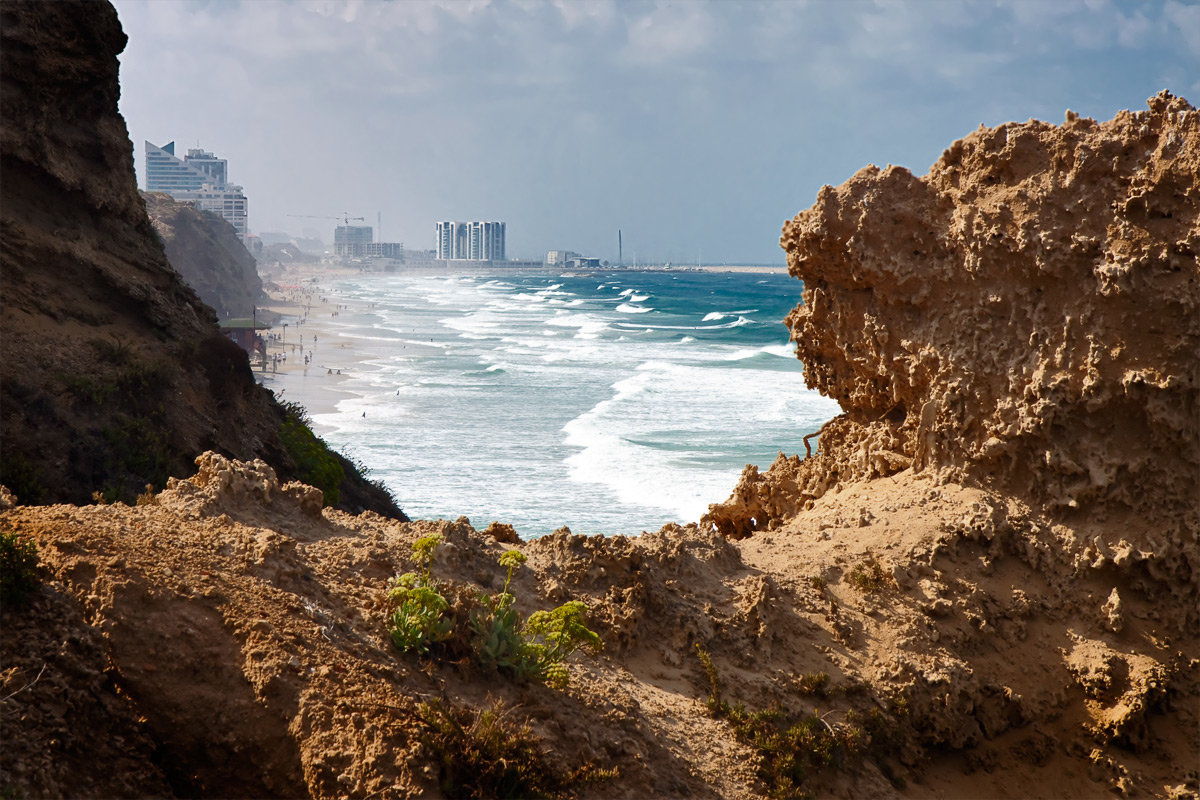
[695,128]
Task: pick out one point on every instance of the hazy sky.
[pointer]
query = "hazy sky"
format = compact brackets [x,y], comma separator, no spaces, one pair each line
[696,128]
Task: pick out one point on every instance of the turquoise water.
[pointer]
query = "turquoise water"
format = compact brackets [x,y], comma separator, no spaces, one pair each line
[611,403]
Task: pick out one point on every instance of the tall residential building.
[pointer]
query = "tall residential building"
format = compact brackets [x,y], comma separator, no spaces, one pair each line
[199,178]
[474,241]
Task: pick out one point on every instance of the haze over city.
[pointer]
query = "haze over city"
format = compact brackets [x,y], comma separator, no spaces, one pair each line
[695,128]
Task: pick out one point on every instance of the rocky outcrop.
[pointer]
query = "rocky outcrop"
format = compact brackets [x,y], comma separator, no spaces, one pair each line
[113,374]
[206,251]
[1025,316]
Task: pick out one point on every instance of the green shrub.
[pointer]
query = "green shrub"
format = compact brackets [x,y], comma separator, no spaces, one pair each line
[482,753]
[552,636]
[790,750]
[497,637]
[868,576]
[814,683]
[316,464]
[419,618]
[18,569]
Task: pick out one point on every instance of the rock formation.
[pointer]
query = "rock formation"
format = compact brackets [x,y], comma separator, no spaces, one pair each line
[113,374]
[206,251]
[1026,316]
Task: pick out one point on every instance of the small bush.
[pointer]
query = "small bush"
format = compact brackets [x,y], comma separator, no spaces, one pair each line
[790,750]
[814,683]
[483,753]
[868,576]
[552,636]
[146,498]
[112,350]
[497,637]
[419,619]
[18,569]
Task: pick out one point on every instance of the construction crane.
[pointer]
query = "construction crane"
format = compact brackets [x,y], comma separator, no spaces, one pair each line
[345,217]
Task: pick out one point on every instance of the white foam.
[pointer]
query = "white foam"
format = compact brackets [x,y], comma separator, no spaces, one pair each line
[713,316]
[648,448]
[626,308]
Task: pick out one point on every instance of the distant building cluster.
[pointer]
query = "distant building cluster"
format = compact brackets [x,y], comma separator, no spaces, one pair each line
[470,241]
[358,241]
[199,178]
[570,260]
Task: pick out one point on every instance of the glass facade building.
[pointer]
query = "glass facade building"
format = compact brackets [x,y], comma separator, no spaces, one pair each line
[199,178]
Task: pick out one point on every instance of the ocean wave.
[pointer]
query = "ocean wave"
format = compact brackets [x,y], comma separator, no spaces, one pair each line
[713,316]
[626,308]
[737,323]
[649,450]
[768,352]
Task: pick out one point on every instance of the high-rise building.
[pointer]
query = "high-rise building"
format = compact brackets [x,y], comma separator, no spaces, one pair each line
[199,178]
[474,241]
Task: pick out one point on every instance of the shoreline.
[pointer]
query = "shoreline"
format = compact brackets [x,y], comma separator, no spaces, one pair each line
[301,303]
[299,333]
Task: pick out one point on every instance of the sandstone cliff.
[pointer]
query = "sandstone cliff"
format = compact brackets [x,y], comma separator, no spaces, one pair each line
[1026,316]
[113,374]
[206,251]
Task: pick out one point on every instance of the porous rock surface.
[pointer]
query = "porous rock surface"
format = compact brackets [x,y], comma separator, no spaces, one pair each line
[1024,316]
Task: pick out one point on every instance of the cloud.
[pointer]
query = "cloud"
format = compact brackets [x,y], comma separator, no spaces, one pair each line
[554,113]
[669,32]
[1186,21]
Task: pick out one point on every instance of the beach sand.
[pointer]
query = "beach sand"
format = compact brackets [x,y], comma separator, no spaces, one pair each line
[306,357]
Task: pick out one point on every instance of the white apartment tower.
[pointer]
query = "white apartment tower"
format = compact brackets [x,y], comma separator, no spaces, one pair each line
[473,241]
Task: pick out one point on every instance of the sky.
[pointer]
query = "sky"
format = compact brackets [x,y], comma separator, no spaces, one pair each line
[695,128]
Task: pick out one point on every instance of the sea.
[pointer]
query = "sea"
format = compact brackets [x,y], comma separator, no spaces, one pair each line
[611,402]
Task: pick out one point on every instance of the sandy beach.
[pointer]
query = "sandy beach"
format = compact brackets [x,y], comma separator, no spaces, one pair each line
[306,358]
